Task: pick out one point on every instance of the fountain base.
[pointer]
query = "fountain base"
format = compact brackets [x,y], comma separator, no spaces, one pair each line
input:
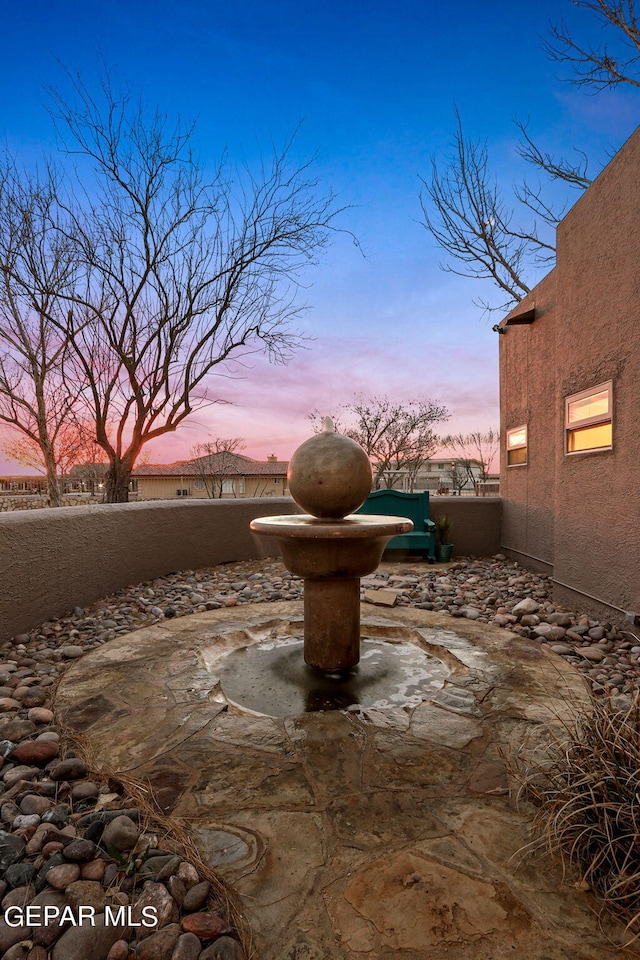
[270,678]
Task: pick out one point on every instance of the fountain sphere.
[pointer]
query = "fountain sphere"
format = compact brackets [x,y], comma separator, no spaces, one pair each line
[329,475]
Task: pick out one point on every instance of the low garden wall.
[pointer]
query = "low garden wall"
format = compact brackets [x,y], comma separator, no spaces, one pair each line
[52,560]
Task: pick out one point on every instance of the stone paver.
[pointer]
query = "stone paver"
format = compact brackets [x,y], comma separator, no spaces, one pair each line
[356,834]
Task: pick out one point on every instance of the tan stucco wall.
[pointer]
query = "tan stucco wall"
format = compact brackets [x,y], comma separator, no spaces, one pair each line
[527,384]
[591,335]
[476,523]
[164,488]
[54,559]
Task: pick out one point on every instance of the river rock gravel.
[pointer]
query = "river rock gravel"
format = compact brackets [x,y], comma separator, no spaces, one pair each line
[67,838]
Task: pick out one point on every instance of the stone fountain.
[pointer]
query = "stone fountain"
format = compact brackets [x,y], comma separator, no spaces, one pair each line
[332,667]
[329,477]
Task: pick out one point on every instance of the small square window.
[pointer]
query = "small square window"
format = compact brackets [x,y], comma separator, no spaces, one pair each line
[517,446]
[589,419]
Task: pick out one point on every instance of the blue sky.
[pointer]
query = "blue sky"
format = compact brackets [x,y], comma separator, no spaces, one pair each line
[374,86]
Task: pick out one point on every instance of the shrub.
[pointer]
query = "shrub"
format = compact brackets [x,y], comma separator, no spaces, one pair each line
[588,793]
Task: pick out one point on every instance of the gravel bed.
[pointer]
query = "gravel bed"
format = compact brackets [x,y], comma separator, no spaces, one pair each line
[67,839]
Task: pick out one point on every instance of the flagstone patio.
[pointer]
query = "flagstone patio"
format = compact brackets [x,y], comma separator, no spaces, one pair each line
[358,833]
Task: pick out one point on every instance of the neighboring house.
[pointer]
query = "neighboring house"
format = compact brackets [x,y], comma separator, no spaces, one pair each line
[448,475]
[225,475]
[570,403]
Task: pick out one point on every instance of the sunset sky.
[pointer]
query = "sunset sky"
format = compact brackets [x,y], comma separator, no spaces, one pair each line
[374,86]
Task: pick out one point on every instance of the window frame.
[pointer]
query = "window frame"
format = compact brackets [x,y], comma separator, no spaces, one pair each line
[597,420]
[519,446]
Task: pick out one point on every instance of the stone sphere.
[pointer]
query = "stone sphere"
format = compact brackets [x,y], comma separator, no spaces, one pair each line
[329,475]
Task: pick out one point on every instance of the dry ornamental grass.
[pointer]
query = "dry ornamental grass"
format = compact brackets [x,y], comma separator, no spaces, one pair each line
[588,792]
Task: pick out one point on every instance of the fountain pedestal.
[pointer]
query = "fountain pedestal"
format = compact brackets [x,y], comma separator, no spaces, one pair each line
[331,556]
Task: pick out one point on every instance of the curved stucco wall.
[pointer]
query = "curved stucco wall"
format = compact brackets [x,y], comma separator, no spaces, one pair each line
[52,560]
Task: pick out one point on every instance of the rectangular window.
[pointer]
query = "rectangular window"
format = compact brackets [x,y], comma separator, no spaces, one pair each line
[241,485]
[228,486]
[589,419]
[182,493]
[517,446]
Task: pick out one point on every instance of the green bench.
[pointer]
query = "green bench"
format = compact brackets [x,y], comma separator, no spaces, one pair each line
[415,506]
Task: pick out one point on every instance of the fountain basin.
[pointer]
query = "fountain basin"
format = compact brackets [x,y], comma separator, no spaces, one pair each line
[318,549]
[331,556]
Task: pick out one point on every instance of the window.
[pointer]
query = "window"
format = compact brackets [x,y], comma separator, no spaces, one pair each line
[517,446]
[182,493]
[276,479]
[199,485]
[228,486]
[588,419]
[241,485]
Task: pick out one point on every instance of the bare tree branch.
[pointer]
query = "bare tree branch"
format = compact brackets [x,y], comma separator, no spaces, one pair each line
[600,67]
[37,266]
[464,211]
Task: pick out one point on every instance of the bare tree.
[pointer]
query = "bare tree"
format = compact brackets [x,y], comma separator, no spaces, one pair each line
[488,237]
[603,65]
[397,437]
[37,268]
[465,212]
[182,275]
[476,449]
[215,461]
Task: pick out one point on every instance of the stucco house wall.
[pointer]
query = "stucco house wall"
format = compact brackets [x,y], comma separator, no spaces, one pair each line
[580,512]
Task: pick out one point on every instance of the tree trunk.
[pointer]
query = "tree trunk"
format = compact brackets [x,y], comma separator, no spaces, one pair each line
[117,483]
[54,487]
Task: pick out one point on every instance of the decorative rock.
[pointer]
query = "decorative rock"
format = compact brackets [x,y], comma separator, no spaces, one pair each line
[40,715]
[594,654]
[82,942]
[94,870]
[72,769]
[11,849]
[8,703]
[188,874]
[224,948]
[86,892]
[119,951]
[20,874]
[157,896]
[85,790]
[35,751]
[177,889]
[188,947]
[80,851]
[596,633]
[17,952]
[37,953]
[71,652]
[562,648]
[525,606]
[206,926]
[33,803]
[22,772]
[59,877]
[35,697]
[120,835]
[196,896]
[161,867]
[160,945]
[25,820]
